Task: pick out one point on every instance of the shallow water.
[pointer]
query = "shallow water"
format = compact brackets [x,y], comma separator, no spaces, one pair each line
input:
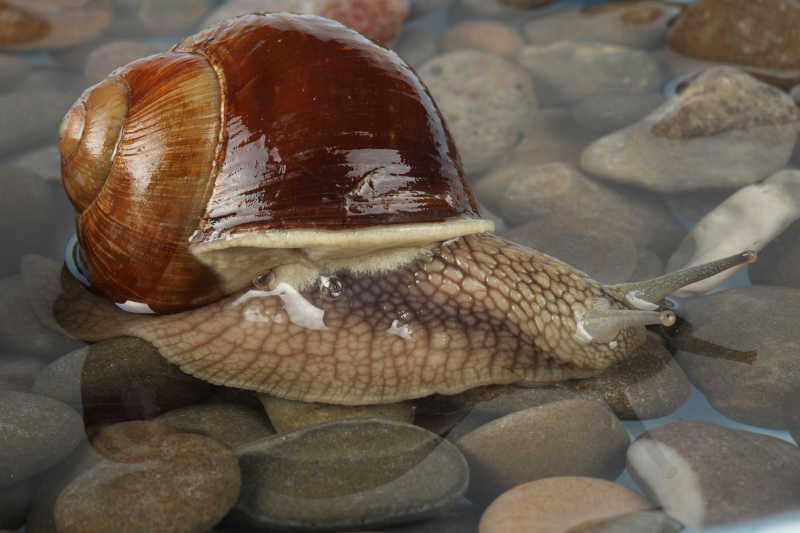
[557,148]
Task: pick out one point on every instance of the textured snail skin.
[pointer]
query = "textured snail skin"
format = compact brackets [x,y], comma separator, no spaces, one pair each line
[477,310]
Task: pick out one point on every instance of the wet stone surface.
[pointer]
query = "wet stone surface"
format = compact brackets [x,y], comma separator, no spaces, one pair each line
[231,424]
[569,437]
[555,504]
[29,425]
[746,127]
[486,35]
[705,474]
[352,474]
[777,262]
[739,348]
[120,379]
[640,522]
[485,99]
[150,478]
[565,72]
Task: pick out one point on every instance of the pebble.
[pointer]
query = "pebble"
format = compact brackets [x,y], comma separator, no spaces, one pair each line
[28,26]
[289,415]
[747,220]
[604,113]
[726,329]
[569,437]
[29,426]
[704,474]
[650,384]
[762,33]
[231,424]
[648,265]
[606,256]
[462,518]
[694,205]
[120,379]
[20,330]
[18,373]
[105,58]
[639,522]
[555,504]
[712,120]
[558,196]
[565,72]
[13,69]
[637,24]
[777,262]
[348,474]
[36,217]
[150,479]
[44,162]
[416,46]
[501,8]
[30,117]
[486,35]
[485,100]
[169,17]
[380,20]
[420,8]
[14,503]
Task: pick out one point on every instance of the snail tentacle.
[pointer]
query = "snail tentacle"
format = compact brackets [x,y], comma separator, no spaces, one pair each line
[603,325]
[646,294]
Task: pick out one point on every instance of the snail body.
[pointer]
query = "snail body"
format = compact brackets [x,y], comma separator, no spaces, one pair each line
[286,194]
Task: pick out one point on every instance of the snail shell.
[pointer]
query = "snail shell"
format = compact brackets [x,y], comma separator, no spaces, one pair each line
[269,143]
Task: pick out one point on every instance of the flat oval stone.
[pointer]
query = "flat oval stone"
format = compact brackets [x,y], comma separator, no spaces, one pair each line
[289,415]
[555,504]
[739,348]
[150,479]
[705,474]
[641,522]
[485,99]
[36,432]
[487,35]
[348,474]
[231,424]
[120,379]
[569,437]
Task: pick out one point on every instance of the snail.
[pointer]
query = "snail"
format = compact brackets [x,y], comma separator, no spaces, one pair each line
[276,205]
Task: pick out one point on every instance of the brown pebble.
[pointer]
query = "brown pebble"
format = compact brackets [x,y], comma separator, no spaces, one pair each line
[486,35]
[555,504]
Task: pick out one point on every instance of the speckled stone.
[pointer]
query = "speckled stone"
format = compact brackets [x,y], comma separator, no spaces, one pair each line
[761,33]
[462,518]
[108,56]
[778,262]
[13,69]
[150,480]
[601,114]
[648,265]
[26,25]
[639,522]
[607,256]
[694,205]
[120,379]
[20,330]
[743,323]
[14,503]
[231,424]
[650,384]
[289,415]
[30,424]
[501,8]
[486,35]
[353,474]
[485,99]
[569,437]
[31,211]
[380,20]
[638,24]
[416,46]
[558,196]
[746,127]
[706,475]
[18,373]
[565,71]
[555,504]
[30,116]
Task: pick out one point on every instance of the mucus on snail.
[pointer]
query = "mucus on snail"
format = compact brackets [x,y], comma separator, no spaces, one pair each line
[284,193]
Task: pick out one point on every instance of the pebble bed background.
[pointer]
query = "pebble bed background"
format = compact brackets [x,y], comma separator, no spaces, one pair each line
[605,137]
